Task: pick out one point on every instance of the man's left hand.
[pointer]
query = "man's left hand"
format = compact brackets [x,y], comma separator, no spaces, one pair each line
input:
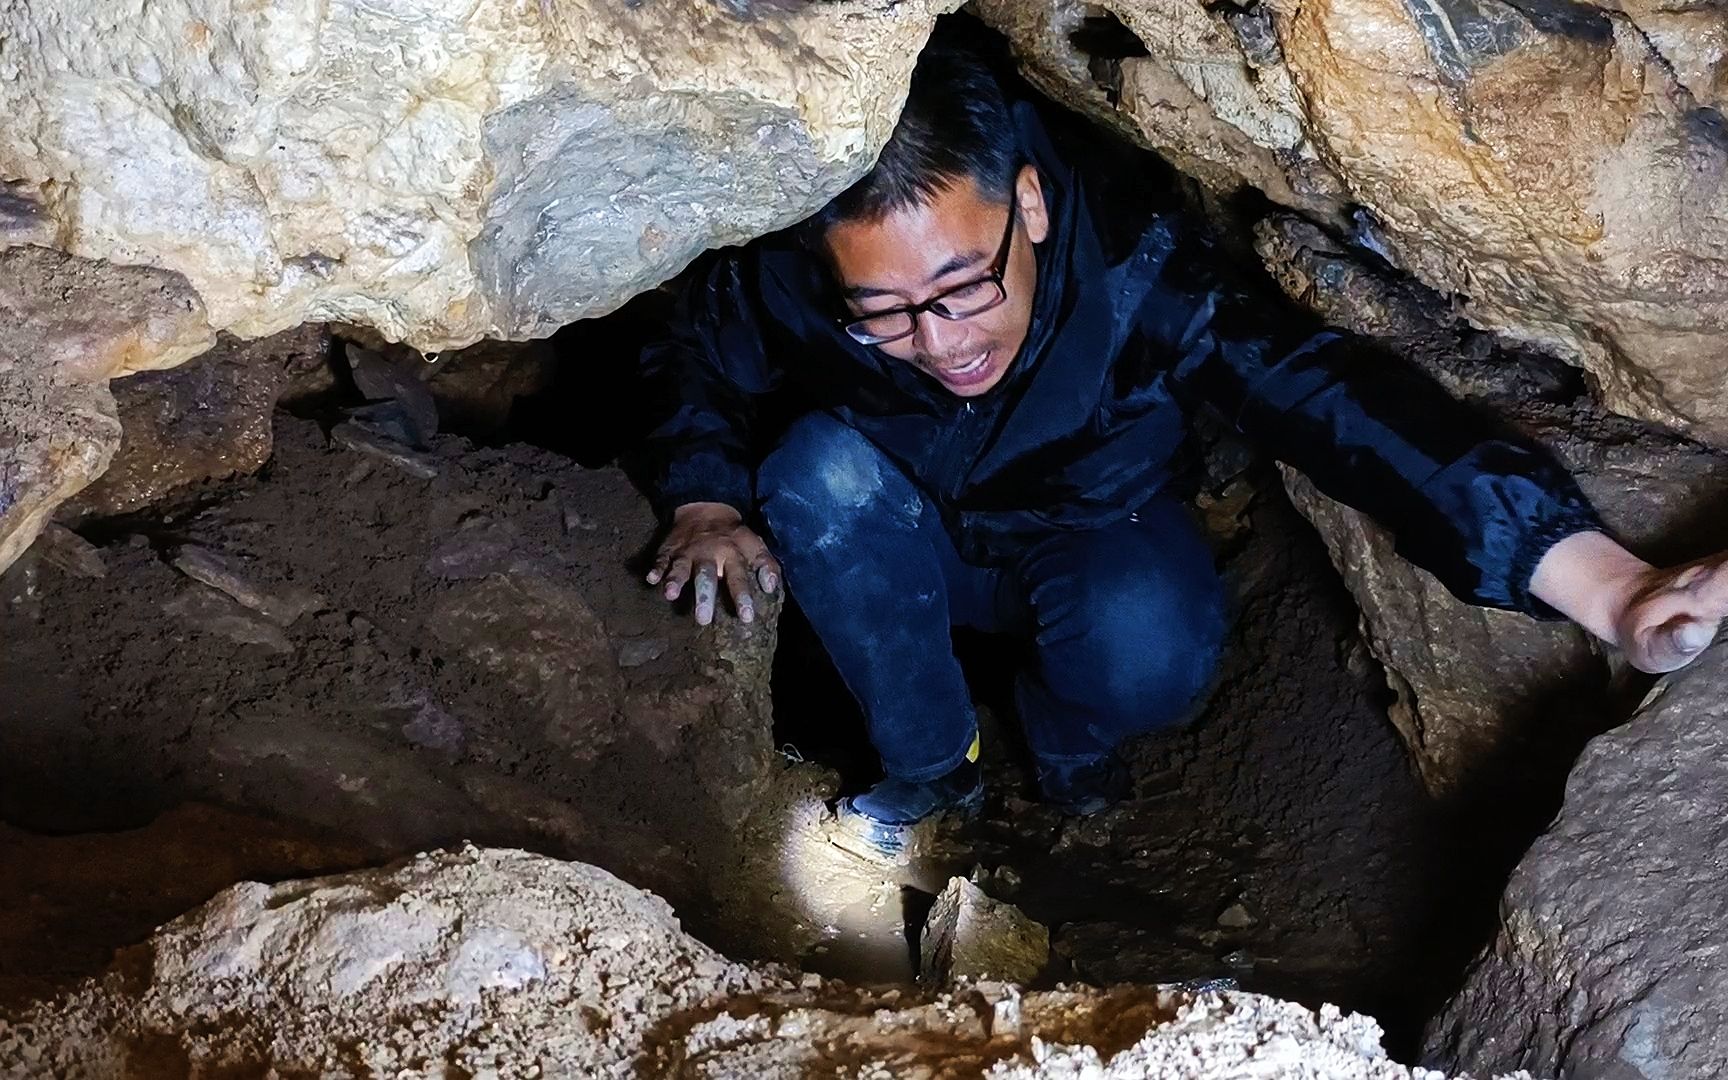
[1661,618]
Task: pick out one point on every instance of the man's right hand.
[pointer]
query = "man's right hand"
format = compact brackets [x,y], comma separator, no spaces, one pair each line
[707,544]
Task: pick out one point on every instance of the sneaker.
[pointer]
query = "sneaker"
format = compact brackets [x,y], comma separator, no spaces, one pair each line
[885,816]
[1085,787]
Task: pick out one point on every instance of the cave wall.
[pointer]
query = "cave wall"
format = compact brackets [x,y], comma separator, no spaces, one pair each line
[1559,169]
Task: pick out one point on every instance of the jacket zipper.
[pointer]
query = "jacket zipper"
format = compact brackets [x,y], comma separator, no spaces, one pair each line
[956,451]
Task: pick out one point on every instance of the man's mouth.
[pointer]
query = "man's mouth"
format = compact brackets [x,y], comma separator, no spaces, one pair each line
[965,373]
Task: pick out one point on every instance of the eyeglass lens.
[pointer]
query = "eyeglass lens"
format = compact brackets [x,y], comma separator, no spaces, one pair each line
[962,303]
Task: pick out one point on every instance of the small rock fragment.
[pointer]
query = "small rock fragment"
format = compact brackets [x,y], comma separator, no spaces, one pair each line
[634,652]
[65,550]
[385,380]
[433,727]
[1238,958]
[214,613]
[971,936]
[1236,917]
[281,605]
[1005,1012]
[356,437]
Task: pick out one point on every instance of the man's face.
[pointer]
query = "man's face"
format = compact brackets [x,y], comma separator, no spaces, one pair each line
[918,252]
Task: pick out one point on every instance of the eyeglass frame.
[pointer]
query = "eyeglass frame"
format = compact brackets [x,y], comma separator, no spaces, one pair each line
[999,268]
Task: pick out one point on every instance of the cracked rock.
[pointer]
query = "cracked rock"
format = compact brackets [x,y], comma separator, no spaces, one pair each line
[971,936]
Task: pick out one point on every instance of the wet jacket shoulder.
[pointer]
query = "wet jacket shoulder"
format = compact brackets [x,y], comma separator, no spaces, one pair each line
[1138,319]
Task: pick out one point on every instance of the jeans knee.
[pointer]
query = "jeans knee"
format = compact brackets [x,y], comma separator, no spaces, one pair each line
[1141,647]
[824,476]
[1156,666]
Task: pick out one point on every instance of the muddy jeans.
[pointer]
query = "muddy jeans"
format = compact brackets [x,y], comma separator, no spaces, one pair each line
[1124,623]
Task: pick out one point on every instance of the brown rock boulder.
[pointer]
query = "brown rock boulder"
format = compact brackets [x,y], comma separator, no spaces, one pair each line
[67,326]
[970,935]
[205,420]
[1607,964]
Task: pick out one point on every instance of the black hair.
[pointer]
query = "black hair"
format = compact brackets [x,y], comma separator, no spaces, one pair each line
[955,125]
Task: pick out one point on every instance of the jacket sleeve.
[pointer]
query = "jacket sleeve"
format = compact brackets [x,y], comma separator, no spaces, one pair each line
[1475,506]
[704,376]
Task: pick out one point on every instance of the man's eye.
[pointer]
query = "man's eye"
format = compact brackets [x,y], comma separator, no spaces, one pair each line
[969,292]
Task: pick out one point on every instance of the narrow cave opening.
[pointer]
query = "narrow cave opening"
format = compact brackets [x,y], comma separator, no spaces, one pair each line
[365,648]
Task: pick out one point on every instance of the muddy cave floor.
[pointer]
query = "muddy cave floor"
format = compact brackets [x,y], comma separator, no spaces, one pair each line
[146,762]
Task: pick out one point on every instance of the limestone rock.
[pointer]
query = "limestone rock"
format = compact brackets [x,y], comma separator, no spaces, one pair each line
[210,611]
[208,419]
[475,388]
[1606,961]
[1471,683]
[67,326]
[441,171]
[67,551]
[365,439]
[279,602]
[1562,173]
[65,916]
[971,936]
[478,960]
[504,963]
[1206,89]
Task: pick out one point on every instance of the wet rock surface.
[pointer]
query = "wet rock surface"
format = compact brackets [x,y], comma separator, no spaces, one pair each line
[205,420]
[1606,964]
[504,963]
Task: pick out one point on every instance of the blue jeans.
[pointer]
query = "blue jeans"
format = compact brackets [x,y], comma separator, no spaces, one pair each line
[1124,623]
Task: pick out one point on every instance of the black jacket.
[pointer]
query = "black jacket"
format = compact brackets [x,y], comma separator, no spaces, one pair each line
[1130,329]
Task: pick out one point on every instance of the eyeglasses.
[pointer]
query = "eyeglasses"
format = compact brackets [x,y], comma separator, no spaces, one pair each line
[961,302]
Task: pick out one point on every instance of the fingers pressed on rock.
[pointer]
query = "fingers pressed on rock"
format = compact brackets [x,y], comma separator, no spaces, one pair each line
[738,585]
[767,572]
[1694,636]
[707,585]
[676,577]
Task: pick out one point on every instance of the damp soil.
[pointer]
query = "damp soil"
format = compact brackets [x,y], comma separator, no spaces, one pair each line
[483,664]
[487,666]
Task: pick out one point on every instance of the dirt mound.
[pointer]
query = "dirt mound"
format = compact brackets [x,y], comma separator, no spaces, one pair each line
[467,655]
[507,964]
[448,964]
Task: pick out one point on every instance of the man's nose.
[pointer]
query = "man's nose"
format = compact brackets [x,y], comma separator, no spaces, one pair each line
[934,334]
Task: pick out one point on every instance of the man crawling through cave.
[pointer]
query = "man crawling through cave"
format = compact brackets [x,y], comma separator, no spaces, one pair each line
[988,348]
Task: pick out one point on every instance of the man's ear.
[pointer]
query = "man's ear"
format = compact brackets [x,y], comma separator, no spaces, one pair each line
[1029,195]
